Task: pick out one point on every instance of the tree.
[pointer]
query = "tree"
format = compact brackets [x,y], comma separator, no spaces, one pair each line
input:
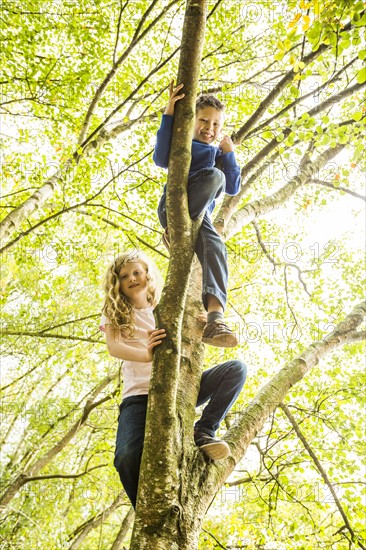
[71,193]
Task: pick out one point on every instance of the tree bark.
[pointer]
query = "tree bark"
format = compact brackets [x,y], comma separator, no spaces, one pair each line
[163,520]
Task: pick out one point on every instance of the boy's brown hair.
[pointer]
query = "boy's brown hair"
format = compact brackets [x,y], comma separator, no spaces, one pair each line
[208,100]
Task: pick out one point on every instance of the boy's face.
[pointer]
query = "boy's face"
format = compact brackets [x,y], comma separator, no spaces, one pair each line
[208,124]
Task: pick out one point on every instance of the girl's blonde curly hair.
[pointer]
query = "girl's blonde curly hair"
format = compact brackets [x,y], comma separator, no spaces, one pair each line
[117,308]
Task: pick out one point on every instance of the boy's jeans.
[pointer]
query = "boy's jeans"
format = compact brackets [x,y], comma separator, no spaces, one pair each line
[206,185]
[220,386]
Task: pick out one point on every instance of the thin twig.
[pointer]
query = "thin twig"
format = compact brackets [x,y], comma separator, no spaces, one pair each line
[338,188]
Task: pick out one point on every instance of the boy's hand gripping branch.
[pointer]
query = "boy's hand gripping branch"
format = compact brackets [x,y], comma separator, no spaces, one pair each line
[174,97]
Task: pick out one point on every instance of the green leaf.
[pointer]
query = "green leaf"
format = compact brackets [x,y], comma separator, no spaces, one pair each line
[360,22]
[361,75]
[357,116]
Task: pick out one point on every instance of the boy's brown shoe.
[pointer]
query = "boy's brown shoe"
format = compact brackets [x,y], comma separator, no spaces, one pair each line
[219,335]
[214,448]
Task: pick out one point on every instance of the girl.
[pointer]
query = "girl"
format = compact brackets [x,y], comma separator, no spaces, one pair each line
[132,290]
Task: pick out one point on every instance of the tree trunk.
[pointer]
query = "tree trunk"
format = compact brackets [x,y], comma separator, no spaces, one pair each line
[165,515]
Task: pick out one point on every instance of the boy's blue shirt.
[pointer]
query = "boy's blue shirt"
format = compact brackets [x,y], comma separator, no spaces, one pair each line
[203,156]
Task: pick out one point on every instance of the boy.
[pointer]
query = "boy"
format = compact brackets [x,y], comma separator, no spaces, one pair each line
[205,183]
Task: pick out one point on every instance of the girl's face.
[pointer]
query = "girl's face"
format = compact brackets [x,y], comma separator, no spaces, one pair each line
[133,279]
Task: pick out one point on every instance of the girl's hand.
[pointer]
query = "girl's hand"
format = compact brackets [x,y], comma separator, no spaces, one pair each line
[155,338]
[226,145]
[173,98]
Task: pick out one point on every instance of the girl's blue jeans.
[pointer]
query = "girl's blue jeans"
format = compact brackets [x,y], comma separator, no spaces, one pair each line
[220,386]
[203,187]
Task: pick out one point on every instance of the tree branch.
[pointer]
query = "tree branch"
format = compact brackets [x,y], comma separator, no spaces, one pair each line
[257,208]
[83,530]
[267,122]
[273,261]
[120,228]
[135,40]
[121,535]
[230,202]
[322,472]
[268,398]
[23,478]
[337,188]
[14,219]
[244,130]
[357,336]
[42,334]
[19,212]
[64,476]
[121,10]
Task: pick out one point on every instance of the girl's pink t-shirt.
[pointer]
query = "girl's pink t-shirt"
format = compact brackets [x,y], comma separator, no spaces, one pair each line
[136,376]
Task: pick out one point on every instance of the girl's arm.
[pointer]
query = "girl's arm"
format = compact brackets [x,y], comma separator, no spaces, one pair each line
[118,348]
